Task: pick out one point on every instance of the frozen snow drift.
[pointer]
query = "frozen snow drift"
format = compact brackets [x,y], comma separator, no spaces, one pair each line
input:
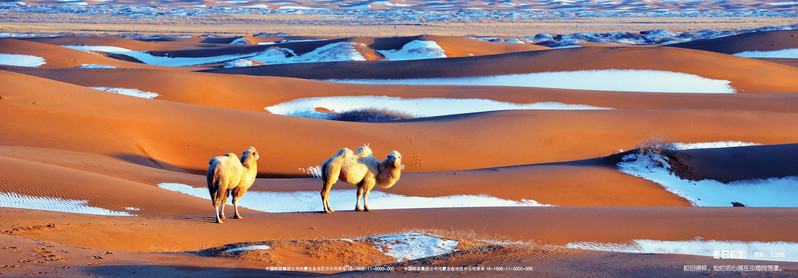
[418,107]
[652,81]
[340,199]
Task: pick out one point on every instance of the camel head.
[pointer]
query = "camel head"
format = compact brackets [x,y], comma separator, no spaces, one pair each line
[390,170]
[395,159]
[249,156]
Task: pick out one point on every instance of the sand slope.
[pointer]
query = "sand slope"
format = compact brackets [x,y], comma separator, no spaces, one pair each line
[254,93]
[705,64]
[59,57]
[762,41]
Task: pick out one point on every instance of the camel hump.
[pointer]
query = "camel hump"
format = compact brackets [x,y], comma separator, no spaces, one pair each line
[364,151]
[344,152]
[219,159]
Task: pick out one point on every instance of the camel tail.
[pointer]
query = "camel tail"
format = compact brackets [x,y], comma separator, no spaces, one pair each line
[324,171]
[212,177]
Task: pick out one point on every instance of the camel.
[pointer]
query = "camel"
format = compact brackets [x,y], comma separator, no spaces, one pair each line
[225,174]
[362,169]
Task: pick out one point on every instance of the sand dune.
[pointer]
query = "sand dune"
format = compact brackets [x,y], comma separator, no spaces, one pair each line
[43,180]
[421,141]
[58,57]
[255,93]
[763,41]
[734,69]
[756,162]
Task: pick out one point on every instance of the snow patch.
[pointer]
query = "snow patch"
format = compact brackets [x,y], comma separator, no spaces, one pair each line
[787,3]
[21,60]
[290,41]
[389,4]
[412,246]
[257,6]
[95,66]
[357,7]
[240,40]
[752,250]
[790,53]
[773,192]
[238,63]
[304,201]
[147,58]
[251,247]
[415,50]
[334,52]
[419,107]
[128,92]
[298,8]
[14,200]
[652,81]
[709,145]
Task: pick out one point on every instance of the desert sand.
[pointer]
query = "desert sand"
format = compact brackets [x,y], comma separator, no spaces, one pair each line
[103,153]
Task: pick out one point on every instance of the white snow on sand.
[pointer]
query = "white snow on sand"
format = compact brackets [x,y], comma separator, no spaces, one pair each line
[14,200]
[147,58]
[786,3]
[21,60]
[652,81]
[357,7]
[389,4]
[773,192]
[344,199]
[257,6]
[251,247]
[412,246]
[334,52]
[415,50]
[755,250]
[238,63]
[240,40]
[128,92]
[290,41]
[418,107]
[709,145]
[95,66]
[790,53]
[402,247]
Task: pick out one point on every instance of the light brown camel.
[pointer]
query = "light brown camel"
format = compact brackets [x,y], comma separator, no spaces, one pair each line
[359,168]
[225,174]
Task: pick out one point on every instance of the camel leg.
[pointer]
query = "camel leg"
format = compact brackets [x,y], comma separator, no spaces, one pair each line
[238,192]
[368,186]
[359,195]
[325,197]
[224,202]
[215,201]
[366,200]
[235,205]
[218,220]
